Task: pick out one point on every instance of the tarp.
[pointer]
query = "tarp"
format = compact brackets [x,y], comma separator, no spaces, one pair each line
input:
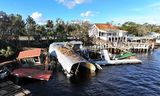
[126,55]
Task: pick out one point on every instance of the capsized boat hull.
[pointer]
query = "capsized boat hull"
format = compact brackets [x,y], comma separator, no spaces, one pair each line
[71,62]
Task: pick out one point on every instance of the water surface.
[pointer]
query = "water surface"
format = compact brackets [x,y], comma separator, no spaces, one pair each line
[122,80]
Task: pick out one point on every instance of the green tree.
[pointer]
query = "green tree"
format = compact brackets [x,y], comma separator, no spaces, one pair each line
[5,23]
[17,25]
[50,30]
[79,31]
[40,32]
[17,28]
[84,33]
[6,52]
[131,27]
[61,30]
[30,27]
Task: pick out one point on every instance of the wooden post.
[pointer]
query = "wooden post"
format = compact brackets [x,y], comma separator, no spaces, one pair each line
[46,63]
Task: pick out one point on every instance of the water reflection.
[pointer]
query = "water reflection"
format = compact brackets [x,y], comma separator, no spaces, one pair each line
[81,77]
[124,80]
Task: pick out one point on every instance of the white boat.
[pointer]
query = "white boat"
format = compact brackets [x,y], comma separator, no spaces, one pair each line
[105,59]
[71,62]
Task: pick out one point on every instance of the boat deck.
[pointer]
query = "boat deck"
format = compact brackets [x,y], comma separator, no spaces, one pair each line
[32,73]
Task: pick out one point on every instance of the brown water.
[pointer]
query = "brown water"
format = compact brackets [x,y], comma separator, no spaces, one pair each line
[123,80]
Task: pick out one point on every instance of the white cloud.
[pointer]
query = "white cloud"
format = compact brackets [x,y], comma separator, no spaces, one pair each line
[36,15]
[86,20]
[71,3]
[152,19]
[87,14]
[155,6]
[79,1]
[38,18]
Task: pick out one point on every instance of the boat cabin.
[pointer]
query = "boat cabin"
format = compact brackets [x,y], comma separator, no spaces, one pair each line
[30,58]
[31,65]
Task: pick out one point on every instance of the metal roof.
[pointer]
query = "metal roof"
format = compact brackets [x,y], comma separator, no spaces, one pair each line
[29,53]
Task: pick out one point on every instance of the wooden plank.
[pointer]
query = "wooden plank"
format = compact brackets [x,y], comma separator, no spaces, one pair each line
[7,62]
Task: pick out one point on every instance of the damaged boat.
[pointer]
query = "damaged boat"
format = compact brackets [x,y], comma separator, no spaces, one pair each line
[71,62]
[105,58]
[31,65]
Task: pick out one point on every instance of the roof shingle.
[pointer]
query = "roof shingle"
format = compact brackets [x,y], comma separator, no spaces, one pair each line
[106,27]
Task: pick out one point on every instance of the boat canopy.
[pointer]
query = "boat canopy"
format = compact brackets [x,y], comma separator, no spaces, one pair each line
[29,53]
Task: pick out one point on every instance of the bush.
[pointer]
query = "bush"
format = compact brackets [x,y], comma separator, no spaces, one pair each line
[6,52]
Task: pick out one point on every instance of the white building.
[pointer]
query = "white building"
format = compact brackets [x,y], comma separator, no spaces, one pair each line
[108,32]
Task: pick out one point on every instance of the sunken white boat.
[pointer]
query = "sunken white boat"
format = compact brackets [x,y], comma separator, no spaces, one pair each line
[71,62]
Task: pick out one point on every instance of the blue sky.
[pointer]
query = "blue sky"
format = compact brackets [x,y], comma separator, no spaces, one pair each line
[95,11]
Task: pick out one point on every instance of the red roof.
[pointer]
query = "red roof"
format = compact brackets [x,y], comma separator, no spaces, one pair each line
[106,27]
[29,53]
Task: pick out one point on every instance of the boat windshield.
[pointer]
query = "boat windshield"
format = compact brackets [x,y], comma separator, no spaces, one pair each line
[95,56]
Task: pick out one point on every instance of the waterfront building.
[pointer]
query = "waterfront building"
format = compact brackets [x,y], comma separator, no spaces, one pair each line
[109,36]
[108,32]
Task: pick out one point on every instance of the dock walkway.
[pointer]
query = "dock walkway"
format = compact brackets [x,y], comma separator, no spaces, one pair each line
[130,46]
[8,88]
[7,62]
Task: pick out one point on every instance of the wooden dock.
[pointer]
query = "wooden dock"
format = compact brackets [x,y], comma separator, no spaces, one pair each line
[134,46]
[7,62]
[8,88]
